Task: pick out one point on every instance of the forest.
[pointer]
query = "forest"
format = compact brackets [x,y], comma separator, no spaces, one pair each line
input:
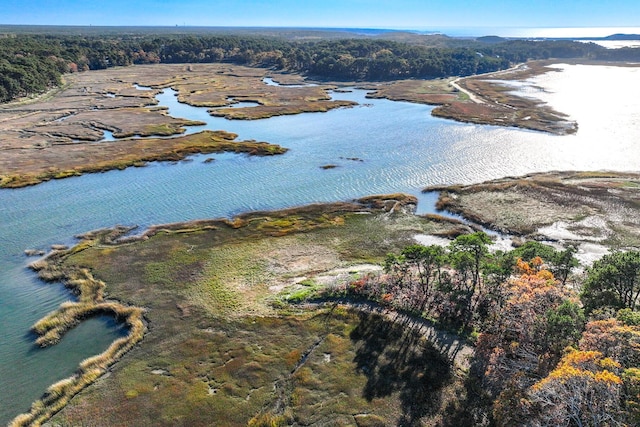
[552,346]
[33,63]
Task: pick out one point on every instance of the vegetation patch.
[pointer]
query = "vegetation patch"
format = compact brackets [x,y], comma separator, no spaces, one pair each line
[224,342]
[485,99]
[206,354]
[285,109]
[597,207]
[72,160]
[51,328]
[431,92]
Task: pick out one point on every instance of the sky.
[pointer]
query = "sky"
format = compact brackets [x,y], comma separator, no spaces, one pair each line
[436,15]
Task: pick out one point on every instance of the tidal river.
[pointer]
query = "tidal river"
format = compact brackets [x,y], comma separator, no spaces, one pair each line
[378,147]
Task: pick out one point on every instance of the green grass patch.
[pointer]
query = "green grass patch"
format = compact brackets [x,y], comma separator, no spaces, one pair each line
[158,272]
[212,294]
[301,292]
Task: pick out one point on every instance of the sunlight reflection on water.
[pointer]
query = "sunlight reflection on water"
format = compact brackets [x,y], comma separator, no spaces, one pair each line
[604,101]
[401,146]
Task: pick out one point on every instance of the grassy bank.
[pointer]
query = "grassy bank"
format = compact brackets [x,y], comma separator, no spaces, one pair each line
[290,108]
[220,342]
[596,207]
[51,328]
[126,153]
[492,101]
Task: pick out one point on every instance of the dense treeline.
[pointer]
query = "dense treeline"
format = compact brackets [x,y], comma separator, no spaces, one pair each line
[550,348]
[26,68]
[30,64]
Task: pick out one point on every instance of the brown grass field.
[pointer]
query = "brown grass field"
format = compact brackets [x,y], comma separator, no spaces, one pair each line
[492,102]
[602,207]
[55,135]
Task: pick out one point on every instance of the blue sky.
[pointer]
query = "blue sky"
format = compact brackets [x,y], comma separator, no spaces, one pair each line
[397,14]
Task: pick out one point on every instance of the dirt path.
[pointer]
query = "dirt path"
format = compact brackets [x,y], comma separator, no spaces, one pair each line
[472,96]
[493,74]
[449,345]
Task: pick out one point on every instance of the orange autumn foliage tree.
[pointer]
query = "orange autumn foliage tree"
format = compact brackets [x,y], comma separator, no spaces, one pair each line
[614,339]
[524,340]
[597,385]
[583,390]
[631,398]
[619,339]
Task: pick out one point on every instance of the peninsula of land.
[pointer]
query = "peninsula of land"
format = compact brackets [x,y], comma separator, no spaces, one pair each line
[216,330]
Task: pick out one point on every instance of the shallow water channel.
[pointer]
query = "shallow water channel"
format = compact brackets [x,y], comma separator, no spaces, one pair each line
[378,146]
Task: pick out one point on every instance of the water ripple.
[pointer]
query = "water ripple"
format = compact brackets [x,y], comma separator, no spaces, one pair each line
[403,149]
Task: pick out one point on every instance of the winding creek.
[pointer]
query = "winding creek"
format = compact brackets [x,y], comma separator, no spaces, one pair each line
[378,147]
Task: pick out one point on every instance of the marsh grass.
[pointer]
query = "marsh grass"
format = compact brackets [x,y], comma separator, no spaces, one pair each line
[58,395]
[523,205]
[52,327]
[431,92]
[134,152]
[215,296]
[218,349]
[500,106]
[282,109]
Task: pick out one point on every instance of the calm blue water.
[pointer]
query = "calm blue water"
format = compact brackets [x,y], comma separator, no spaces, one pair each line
[402,147]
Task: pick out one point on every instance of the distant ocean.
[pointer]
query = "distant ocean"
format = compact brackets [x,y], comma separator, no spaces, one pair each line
[538,32]
[586,34]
